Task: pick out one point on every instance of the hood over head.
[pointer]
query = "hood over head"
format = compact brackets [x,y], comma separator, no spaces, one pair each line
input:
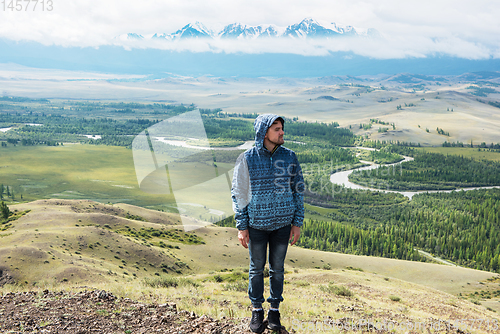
[261,124]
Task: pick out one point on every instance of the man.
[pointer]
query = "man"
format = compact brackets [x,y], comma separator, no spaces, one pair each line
[267,193]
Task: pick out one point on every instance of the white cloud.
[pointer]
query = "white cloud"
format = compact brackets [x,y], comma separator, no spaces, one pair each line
[378,48]
[409,28]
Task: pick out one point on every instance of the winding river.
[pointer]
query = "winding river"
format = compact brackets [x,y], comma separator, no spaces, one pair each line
[339,178]
[342,178]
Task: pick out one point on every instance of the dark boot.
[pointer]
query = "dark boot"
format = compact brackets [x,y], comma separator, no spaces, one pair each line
[257,322]
[274,320]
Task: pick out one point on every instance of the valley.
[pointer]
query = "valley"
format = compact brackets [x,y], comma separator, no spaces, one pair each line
[79,218]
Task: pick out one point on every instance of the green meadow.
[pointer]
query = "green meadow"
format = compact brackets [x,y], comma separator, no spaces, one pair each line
[318,212]
[475,153]
[100,173]
[105,174]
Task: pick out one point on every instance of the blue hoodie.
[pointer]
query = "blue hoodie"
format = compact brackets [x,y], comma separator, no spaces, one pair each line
[268,187]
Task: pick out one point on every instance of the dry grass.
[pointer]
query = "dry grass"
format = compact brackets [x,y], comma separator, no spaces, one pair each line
[373,299]
[50,233]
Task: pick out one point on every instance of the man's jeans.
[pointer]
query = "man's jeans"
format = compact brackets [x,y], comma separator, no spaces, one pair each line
[278,244]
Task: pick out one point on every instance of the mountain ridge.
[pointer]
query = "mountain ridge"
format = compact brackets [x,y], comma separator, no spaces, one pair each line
[307,28]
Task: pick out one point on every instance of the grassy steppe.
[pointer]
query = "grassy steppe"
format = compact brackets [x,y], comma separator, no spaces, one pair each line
[63,244]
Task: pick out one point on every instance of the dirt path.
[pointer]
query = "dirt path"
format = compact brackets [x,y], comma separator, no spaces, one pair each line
[430,256]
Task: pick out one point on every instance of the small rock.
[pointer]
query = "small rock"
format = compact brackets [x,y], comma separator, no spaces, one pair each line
[169,306]
[204,318]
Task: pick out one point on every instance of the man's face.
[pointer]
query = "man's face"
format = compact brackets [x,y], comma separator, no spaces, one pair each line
[275,133]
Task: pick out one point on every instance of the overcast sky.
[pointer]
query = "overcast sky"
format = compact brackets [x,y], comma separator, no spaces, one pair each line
[469,29]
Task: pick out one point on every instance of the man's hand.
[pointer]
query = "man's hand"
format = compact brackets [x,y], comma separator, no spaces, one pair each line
[294,234]
[243,237]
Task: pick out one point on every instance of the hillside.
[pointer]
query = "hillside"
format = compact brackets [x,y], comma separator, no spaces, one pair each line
[136,253]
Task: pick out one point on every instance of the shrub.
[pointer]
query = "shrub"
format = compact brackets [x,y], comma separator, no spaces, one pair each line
[236,286]
[337,290]
[183,281]
[353,268]
[395,298]
[162,282]
[343,291]
[302,283]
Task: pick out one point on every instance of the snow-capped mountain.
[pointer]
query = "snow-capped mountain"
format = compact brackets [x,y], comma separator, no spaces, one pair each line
[162,36]
[130,36]
[272,31]
[237,30]
[196,30]
[311,28]
[307,28]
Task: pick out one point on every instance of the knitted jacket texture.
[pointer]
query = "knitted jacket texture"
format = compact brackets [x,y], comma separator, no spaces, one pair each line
[268,187]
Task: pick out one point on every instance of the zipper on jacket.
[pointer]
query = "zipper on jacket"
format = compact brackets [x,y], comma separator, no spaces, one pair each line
[272,153]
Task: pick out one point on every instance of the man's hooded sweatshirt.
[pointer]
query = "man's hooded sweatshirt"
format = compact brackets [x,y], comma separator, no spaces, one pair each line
[268,187]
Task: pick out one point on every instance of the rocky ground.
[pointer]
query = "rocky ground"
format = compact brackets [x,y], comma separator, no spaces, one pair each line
[101,312]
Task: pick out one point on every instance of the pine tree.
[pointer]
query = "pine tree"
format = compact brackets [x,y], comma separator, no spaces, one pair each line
[4,210]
